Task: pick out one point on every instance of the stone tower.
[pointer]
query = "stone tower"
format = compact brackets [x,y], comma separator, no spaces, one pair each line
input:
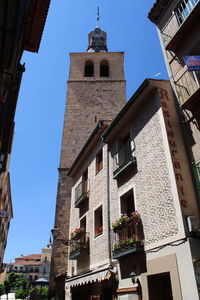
[96,91]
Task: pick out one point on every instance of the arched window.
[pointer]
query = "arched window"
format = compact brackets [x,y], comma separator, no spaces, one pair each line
[104,69]
[89,68]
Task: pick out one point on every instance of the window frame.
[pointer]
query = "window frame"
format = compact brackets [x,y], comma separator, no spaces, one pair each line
[99,161]
[182,12]
[104,69]
[126,195]
[98,226]
[89,68]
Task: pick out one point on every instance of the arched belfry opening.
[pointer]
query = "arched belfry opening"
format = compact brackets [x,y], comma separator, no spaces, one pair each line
[104,68]
[89,68]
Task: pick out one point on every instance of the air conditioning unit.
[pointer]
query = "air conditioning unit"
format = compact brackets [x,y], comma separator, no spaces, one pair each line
[192,224]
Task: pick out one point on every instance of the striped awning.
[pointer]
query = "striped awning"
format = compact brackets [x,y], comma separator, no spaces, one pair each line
[93,276]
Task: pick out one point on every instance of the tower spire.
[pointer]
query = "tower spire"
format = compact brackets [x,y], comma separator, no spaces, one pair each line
[97,17]
[97,39]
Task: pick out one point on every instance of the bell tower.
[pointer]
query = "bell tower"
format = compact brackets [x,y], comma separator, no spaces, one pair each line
[96,91]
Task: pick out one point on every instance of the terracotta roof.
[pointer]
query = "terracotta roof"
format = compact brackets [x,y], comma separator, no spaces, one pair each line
[29,257]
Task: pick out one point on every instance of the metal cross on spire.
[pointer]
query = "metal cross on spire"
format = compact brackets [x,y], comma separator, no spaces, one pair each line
[98,17]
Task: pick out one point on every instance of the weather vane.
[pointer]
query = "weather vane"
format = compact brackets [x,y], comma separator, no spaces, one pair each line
[98,17]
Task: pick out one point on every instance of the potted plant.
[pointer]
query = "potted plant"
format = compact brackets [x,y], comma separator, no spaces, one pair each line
[135,217]
[124,219]
[118,223]
[77,232]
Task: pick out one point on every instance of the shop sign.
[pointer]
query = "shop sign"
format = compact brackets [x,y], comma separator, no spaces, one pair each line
[178,155]
[192,62]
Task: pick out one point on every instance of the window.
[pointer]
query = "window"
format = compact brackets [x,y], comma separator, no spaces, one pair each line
[89,69]
[127,203]
[82,190]
[83,223]
[85,183]
[183,9]
[104,69]
[98,221]
[99,161]
[124,152]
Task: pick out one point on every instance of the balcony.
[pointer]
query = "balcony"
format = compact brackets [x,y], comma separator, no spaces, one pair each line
[179,23]
[122,160]
[187,87]
[127,236]
[81,193]
[196,171]
[79,245]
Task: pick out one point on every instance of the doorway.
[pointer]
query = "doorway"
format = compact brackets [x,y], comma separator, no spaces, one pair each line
[159,287]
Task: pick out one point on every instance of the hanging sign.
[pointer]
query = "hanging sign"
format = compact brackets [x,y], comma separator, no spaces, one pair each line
[192,62]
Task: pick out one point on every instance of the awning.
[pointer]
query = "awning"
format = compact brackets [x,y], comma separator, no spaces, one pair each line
[97,275]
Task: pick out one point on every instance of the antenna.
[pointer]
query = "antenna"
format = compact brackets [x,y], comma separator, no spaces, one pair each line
[98,17]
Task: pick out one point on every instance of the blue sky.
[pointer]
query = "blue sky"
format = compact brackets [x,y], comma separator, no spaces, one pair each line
[41,104]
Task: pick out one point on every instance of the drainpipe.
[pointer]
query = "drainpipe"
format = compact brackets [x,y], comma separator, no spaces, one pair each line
[108,205]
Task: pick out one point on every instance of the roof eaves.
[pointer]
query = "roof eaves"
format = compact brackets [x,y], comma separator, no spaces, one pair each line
[157,10]
[35,24]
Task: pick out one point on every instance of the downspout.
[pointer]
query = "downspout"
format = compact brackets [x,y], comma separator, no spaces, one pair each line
[108,205]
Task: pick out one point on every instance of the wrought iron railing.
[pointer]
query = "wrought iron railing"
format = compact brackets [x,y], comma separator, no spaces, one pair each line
[81,192]
[187,85]
[196,171]
[176,20]
[127,238]
[79,245]
[122,158]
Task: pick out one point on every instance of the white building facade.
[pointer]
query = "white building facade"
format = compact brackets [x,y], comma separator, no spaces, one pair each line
[134,219]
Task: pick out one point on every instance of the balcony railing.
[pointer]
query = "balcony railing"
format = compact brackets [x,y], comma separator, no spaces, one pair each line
[187,85]
[177,20]
[79,245]
[196,170]
[122,159]
[81,192]
[127,238]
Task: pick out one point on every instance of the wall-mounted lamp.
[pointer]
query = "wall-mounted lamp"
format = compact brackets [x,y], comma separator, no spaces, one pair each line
[57,236]
[133,276]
